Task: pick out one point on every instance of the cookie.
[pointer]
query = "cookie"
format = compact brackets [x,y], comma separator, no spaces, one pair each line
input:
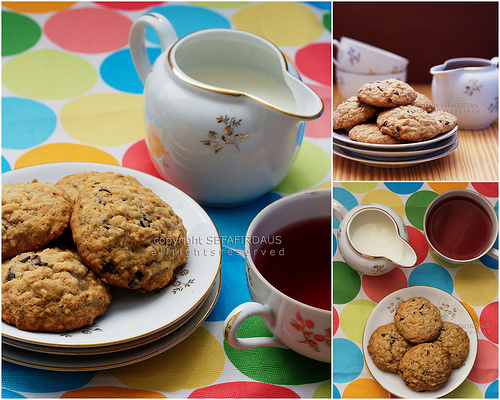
[454,339]
[74,183]
[387,93]
[446,121]
[425,366]
[418,320]
[408,123]
[128,235]
[423,102]
[371,133]
[51,291]
[33,214]
[387,346]
[352,112]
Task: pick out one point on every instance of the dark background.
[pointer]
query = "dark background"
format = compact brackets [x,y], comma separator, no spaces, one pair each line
[426,33]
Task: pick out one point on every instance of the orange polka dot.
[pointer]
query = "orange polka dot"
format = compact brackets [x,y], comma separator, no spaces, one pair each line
[441,187]
[364,388]
[109,392]
[38,6]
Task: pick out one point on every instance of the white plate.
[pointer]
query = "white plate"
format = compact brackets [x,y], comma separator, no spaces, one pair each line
[452,310]
[395,164]
[58,362]
[131,315]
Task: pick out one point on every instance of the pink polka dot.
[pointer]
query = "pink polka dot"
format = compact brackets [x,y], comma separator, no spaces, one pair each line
[335,320]
[137,157]
[488,322]
[92,30]
[485,369]
[320,128]
[240,390]
[314,62]
[418,242]
[128,5]
[378,287]
[488,189]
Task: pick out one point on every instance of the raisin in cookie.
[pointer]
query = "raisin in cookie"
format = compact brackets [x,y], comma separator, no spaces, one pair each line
[128,235]
[351,112]
[371,133]
[387,346]
[425,366]
[454,339]
[408,123]
[418,320]
[446,121]
[387,93]
[51,291]
[33,214]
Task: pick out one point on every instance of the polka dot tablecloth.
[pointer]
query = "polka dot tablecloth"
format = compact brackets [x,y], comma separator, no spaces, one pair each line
[71,93]
[355,295]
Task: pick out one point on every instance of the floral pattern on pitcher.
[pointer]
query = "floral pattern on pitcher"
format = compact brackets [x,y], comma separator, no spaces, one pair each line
[228,137]
[310,338]
[473,87]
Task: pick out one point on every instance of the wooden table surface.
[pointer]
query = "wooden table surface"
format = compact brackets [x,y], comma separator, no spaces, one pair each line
[475,159]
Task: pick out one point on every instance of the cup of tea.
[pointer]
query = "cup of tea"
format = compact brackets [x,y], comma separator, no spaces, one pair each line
[288,265]
[461,226]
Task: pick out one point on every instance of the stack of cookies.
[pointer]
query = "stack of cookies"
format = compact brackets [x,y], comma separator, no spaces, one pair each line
[391,112]
[65,245]
[419,346]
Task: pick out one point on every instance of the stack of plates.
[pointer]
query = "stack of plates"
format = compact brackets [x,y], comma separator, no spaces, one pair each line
[135,326]
[394,155]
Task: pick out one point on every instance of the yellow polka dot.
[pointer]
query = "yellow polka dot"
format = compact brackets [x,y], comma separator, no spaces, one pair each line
[442,262]
[64,152]
[283,23]
[104,119]
[109,392]
[441,187]
[195,362]
[476,284]
[359,187]
[37,6]
[386,197]
[353,318]
[473,314]
[220,4]
[364,388]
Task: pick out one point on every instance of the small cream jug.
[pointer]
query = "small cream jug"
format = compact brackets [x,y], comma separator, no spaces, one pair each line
[373,238]
[224,116]
[467,88]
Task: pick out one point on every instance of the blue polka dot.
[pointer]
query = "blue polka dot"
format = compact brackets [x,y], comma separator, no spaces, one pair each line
[404,187]
[5,165]
[234,289]
[187,19]
[23,379]
[25,123]
[344,197]
[118,71]
[347,361]
[322,5]
[334,244]
[492,391]
[9,394]
[335,392]
[432,275]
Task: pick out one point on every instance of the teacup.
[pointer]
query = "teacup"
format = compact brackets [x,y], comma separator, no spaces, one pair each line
[356,56]
[461,226]
[294,303]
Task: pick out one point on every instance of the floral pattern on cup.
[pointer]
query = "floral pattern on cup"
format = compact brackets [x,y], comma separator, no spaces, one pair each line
[310,338]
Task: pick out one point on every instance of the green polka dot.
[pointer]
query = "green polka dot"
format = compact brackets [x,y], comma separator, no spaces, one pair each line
[442,262]
[467,390]
[323,391]
[416,205]
[311,166]
[19,33]
[353,318]
[49,74]
[346,283]
[327,21]
[359,187]
[272,364]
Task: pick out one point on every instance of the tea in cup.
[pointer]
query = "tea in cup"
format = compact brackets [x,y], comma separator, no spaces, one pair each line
[288,263]
[461,226]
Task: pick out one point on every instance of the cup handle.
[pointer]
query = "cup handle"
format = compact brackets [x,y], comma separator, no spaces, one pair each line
[163,29]
[339,211]
[493,253]
[336,44]
[241,313]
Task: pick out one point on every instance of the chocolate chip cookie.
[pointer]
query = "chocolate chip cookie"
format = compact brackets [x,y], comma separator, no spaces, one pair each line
[408,123]
[351,112]
[454,339]
[128,235]
[418,320]
[425,366]
[371,133]
[423,102]
[446,121]
[51,290]
[387,93]
[33,214]
[387,346]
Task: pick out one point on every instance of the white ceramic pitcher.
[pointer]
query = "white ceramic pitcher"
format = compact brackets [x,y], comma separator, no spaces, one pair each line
[224,116]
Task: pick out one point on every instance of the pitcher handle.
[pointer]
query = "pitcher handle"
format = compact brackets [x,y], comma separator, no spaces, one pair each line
[163,29]
[339,211]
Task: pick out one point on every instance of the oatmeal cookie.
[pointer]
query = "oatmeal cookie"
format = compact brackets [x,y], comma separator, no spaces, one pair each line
[33,214]
[371,133]
[454,339]
[418,320]
[423,102]
[387,346]
[425,366]
[128,235]
[351,112]
[51,291]
[387,93]
[408,123]
[446,121]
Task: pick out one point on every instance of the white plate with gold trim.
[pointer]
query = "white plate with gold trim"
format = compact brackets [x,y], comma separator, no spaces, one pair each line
[131,315]
[452,310]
